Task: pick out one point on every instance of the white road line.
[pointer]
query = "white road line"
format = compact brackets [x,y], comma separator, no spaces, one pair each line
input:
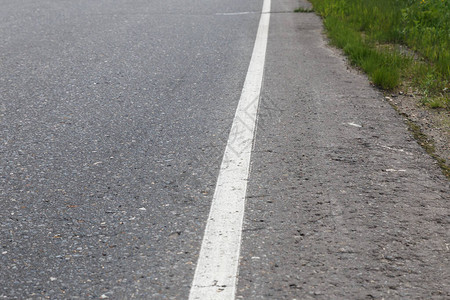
[217,267]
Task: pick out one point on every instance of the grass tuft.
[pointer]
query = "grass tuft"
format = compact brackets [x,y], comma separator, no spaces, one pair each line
[386,77]
[436,102]
[304,10]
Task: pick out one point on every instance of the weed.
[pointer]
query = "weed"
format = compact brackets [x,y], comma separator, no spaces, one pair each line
[436,102]
[385,77]
[304,10]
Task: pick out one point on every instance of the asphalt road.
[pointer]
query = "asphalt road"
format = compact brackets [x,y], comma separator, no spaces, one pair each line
[110,108]
[114,119]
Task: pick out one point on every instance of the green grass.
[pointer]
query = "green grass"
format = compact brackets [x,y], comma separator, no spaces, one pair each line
[436,102]
[303,10]
[373,32]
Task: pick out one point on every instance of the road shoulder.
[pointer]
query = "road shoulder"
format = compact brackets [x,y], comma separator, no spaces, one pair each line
[342,202]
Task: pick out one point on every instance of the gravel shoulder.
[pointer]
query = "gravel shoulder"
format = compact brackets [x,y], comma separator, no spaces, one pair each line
[343,203]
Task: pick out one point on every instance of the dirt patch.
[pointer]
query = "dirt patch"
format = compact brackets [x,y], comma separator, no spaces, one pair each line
[433,124]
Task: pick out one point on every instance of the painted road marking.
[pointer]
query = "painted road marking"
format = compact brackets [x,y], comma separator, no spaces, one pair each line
[217,267]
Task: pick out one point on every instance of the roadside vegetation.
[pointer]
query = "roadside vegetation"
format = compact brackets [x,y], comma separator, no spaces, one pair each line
[398,43]
[304,10]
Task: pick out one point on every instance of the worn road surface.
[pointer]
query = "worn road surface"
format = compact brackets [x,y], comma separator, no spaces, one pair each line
[115,115]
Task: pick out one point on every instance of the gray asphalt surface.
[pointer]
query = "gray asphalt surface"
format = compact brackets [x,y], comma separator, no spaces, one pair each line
[109,108]
[114,118]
